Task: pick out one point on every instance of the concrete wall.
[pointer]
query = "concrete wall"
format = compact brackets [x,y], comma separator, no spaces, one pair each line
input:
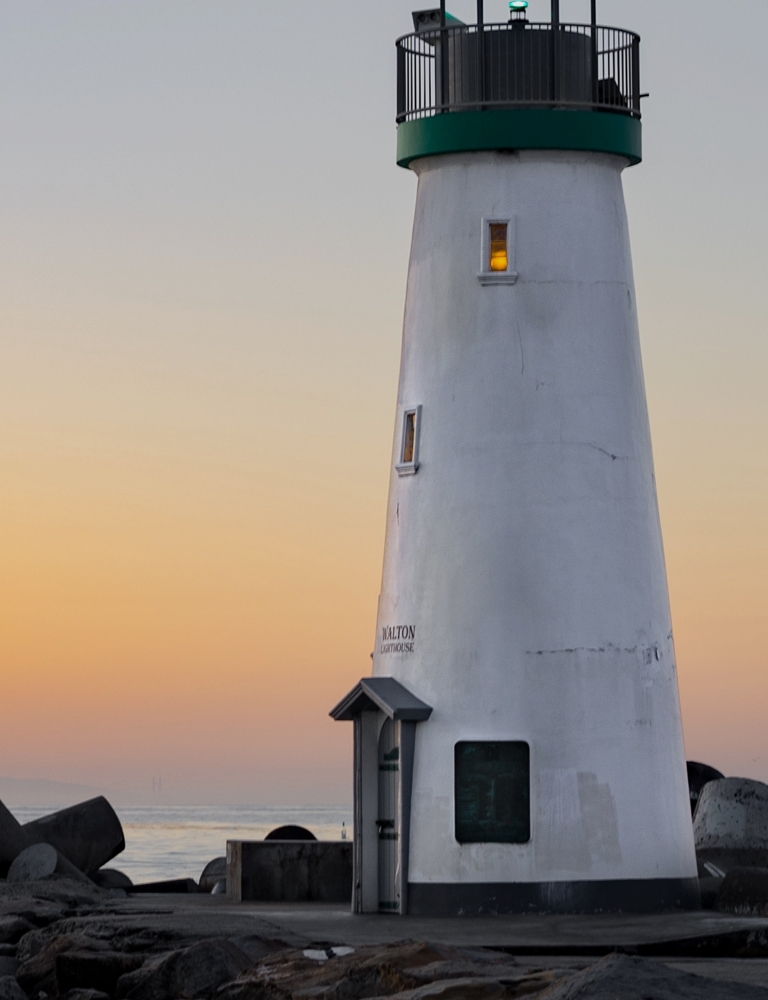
[526,552]
[290,871]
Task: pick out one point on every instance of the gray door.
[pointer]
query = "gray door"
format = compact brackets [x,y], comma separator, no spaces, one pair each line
[389,819]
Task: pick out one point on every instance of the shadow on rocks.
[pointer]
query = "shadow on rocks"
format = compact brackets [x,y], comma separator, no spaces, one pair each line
[629,978]
[194,972]
[10,989]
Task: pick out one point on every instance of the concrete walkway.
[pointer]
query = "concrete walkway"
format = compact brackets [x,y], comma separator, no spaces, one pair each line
[667,933]
[699,934]
[708,944]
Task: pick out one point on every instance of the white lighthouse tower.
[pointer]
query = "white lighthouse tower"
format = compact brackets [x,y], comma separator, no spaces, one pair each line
[519,745]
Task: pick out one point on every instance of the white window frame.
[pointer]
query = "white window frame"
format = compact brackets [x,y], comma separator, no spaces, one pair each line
[486,275]
[409,468]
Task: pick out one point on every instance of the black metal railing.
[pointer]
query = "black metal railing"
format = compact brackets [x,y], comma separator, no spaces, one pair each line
[518,64]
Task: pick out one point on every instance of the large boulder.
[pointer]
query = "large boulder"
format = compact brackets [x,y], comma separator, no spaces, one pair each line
[13,928]
[10,989]
[194,972]
[629,978]
[476,988]
[94,970]
[39,972]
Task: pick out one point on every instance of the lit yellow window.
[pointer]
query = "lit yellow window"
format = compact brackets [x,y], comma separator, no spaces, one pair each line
[498,258]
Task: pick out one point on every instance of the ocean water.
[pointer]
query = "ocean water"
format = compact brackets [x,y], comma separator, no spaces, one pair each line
[165,842]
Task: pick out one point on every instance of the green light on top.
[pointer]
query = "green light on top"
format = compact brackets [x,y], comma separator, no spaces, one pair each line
[518,4]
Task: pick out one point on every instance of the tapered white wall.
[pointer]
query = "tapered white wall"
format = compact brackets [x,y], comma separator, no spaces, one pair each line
[526,551]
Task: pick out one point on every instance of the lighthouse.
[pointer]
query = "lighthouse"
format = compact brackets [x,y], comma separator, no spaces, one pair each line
[518,747]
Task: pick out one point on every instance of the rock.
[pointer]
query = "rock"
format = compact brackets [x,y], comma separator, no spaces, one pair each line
[369,971]
[629,978]
[461,969]
[220,889]
[13,928]
[732,814]
[111,878]
[10,989]
[744,891]
[94,970]
[89,834]
[290,833]
[41,861]
[31,944]
[12,839]
[193,972]
[177,885]
[479,988]
[698,776]
[39,912]
[78,994]
[213,872]
[39,972]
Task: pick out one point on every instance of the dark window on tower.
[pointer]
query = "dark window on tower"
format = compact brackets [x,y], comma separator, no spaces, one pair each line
[408,462]
[493,797]
[409,437]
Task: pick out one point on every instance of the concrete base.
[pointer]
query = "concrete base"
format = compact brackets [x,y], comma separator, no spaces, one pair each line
[290,871]
[623,896]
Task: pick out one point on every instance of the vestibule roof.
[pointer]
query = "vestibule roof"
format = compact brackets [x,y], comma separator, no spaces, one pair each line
[381,694]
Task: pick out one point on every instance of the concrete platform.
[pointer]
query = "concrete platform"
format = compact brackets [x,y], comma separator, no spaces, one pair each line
[698,934]
[714,946]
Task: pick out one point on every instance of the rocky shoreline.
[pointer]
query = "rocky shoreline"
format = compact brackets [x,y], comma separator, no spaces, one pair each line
[60,938]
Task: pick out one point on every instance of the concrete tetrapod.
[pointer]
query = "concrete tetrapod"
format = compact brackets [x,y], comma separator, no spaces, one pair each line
[88,834]
[40,861]
[12,839]
[730,827]
[213,873]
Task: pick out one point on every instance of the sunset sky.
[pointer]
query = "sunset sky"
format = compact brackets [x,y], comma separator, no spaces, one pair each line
[203,249]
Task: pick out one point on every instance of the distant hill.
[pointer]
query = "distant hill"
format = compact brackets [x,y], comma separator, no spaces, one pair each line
[41,792]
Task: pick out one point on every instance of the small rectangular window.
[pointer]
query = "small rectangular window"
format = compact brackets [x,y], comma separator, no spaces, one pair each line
[408,462]
[497,243]
[409,437]
[492,787]
[498,252]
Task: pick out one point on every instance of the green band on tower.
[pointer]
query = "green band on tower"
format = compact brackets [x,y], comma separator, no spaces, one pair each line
[523,128]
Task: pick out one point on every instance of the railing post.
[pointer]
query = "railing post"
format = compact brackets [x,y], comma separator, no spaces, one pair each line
[554,74]
[595,68]
[443,96]
[401,91]
[480,52]
[635,101]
